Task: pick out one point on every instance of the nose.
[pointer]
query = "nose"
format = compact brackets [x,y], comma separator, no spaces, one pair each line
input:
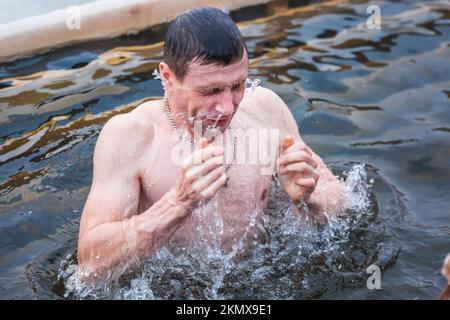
[225,104]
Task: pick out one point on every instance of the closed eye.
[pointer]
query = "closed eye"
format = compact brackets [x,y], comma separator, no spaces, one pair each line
[216,90]
[213,91]
[238,86]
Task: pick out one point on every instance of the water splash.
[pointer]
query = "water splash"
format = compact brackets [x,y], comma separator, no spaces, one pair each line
[156,75]
[357,189]
[252,84]
[295,258]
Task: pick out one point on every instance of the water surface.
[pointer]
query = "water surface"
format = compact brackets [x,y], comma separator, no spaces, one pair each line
[379,98]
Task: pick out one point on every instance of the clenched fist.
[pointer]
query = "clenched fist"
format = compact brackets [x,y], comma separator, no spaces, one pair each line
[297,170]
[202,175]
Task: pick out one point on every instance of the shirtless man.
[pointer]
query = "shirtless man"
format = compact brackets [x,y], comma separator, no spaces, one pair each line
[141,198]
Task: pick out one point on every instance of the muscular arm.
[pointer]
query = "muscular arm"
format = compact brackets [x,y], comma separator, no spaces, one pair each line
[328,196]
[113,237]
[118,245]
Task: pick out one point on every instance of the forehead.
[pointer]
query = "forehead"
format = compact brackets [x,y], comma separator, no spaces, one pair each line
[202,75]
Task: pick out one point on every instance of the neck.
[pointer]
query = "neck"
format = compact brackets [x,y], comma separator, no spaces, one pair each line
[180,118]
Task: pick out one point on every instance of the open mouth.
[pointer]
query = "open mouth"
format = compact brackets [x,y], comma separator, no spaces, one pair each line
[223,120]
[218,122]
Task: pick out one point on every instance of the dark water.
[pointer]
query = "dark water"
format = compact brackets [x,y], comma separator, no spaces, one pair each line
[373,97]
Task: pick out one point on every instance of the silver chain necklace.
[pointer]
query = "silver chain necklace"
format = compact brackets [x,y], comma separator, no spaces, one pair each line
[190,140]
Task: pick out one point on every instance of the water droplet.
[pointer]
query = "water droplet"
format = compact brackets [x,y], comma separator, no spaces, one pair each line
[252,83]
[156,74]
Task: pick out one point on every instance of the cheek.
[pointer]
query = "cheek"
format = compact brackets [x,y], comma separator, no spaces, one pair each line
[237,97]
[181,99]
[199,104]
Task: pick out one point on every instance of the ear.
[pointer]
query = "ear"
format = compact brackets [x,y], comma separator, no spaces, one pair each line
[167,75]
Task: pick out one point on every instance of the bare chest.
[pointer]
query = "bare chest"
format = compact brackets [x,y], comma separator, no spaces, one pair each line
[237,208]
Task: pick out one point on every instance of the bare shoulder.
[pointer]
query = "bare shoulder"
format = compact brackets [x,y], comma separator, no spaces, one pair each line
[126,128]
[135,127]
[268,102]
[125,136]
[148,111]
[263,93]
[270,107]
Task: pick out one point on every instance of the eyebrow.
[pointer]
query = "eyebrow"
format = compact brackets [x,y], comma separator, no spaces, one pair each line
[220,85]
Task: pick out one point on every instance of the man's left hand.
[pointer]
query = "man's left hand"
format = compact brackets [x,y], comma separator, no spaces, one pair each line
[297,170]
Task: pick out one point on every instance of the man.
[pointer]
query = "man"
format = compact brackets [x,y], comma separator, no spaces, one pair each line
[142,197]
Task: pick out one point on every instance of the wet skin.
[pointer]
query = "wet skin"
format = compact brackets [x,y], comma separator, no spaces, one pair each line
[140,199]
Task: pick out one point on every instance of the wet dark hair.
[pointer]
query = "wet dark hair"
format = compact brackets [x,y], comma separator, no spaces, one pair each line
[206,35]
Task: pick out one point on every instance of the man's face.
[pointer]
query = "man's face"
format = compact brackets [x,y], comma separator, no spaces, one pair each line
[208,93]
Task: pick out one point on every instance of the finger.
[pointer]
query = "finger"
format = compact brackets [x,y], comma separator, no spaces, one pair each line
[300,167]
[298,146]
[298,156]
[214,187]
[202,183]
[195,172]
[201,155]
[308,183]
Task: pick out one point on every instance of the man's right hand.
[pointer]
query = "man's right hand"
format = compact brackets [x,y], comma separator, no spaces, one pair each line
[202,175]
